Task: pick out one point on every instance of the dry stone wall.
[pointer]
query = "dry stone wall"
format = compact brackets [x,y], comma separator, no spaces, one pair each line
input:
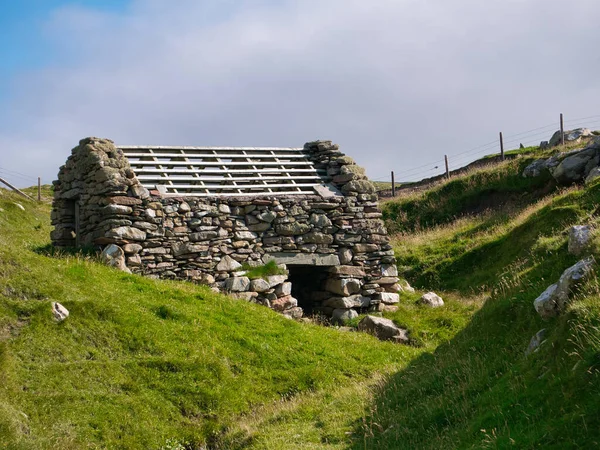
[99,202]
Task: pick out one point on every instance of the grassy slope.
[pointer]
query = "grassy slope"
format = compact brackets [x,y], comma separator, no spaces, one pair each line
[140,363]
[479,390]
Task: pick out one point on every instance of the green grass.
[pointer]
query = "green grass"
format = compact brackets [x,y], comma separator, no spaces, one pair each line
[151,364]
[264,271]
[141,362]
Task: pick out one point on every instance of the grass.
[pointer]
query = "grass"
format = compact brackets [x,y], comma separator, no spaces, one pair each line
[263,271]
[142,363]
[157,364]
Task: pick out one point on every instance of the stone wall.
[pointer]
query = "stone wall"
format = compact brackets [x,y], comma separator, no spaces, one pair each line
[99,202]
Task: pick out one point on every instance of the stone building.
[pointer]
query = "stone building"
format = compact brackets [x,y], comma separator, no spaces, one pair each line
[207,214]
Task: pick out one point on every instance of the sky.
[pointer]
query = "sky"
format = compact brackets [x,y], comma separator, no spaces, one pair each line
[397,83]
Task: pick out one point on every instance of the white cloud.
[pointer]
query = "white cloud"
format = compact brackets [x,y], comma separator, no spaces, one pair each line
[398,83]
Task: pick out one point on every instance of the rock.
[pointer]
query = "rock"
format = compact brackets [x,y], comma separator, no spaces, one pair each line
[114,256]
[389,271]
[259,285]
[116,209]
[245,235]
[228,264]
[594,173]
[316,237]
[59,312]
[353,301]
[345,255]
[544,145]
[343,315]
[536,168]
[237,284]
[579,239]
[353,271]
[293,313]
[302,259]
[248,296]
[576,166]
[432,300]
[389,298]
[274,280]
[284,303]
[536,341]
[18,205]
[132,249]
[359,186]
[320,220]
[344,286]
[126,233]
[283,289]
[267,216]
[188,248]
[224,209]
[554,299]
[572,136]
[383,329]
[184,208]
[292,229]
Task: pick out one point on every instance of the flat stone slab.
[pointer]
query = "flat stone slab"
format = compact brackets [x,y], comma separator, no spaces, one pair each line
[302,259]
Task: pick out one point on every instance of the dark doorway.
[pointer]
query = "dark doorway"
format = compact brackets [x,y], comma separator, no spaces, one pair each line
[307,284]
[74,216]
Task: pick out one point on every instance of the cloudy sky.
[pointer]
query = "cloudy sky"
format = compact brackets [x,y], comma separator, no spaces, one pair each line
[397,83]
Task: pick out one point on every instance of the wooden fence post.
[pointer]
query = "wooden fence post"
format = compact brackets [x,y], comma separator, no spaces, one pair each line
[39,189]
[501,147]
[562,130]
[18,191]
[393,185]
[447,168]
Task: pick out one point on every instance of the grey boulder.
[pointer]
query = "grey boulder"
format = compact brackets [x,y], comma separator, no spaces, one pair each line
[383,329]
[579,239]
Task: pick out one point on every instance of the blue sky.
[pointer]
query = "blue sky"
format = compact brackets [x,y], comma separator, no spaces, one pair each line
[397,83]
[24,45]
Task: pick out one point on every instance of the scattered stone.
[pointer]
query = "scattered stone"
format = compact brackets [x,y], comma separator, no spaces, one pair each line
[576,167]
[18,205]
[535,342]
[59,312]
[383,329]
[432,300]
[579,239]
[554,299]
[114,256]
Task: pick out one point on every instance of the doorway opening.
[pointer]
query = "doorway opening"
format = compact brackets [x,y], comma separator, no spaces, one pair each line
[73,213]
[307,285]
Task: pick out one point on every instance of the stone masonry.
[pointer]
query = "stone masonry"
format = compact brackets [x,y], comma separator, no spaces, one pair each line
[99,202]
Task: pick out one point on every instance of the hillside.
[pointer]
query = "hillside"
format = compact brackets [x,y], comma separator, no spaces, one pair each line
[155,364]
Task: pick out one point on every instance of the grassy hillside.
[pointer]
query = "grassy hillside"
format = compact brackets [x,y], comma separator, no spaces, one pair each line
[152,364]
[479,390]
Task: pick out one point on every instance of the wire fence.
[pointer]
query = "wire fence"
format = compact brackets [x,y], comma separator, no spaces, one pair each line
[527,138]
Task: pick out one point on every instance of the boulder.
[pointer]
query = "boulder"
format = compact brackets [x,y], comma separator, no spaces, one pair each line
[554,299]
[114,256]
[59,312]
[576,166]
[536,341]
[343,315]
[579,239]
[571,136]
[293,313]
[432,300]
[592,175]
[384,329]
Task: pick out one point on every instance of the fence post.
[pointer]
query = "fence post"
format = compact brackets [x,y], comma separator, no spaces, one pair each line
[39,189]
[393,185]
[501,147]
[18,191]
[447,168]
[562,130]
